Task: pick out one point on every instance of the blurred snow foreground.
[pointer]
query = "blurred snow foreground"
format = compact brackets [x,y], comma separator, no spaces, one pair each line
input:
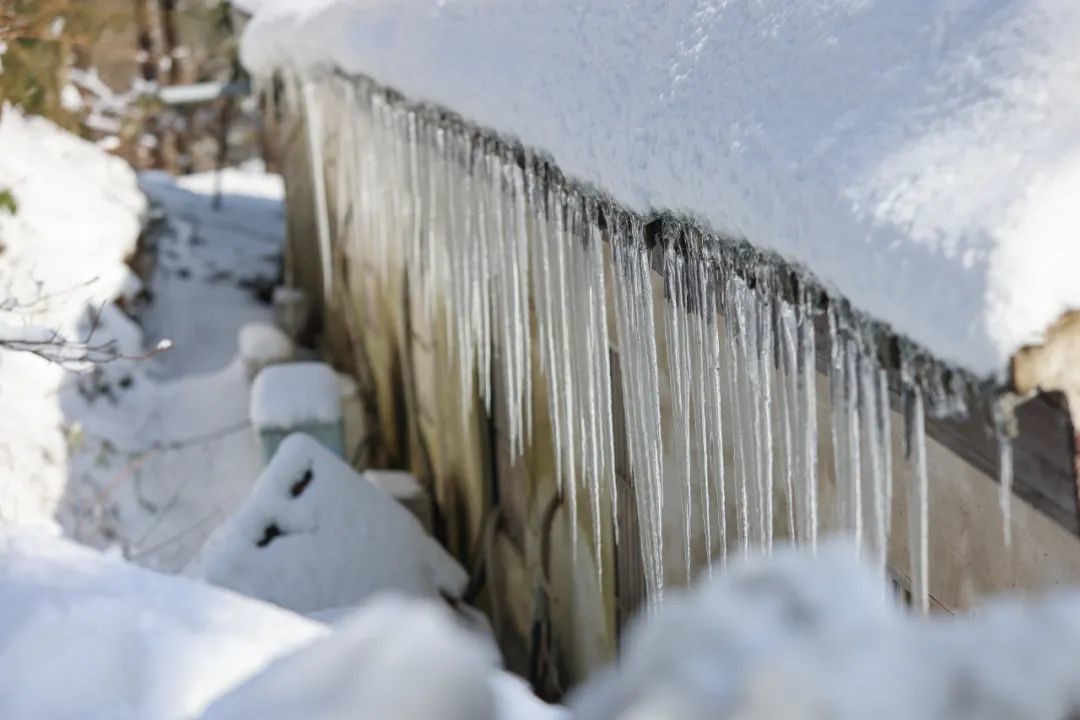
[796,636]
[84,635]
[788,636]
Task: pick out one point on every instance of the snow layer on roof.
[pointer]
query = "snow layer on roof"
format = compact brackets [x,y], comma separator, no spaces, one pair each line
[285,396]
[316,535]
[922,158]
[84,635]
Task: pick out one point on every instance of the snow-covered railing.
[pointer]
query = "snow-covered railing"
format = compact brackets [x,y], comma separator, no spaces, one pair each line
[491,236]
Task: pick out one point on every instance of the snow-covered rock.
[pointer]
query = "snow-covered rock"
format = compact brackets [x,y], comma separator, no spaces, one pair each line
[397,658]
[86,636]
[315,535]
[921,157]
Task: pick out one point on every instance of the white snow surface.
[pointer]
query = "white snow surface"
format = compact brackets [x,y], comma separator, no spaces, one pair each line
[922,158]
[397,658]
[287,395]
[87,636]
[339,539]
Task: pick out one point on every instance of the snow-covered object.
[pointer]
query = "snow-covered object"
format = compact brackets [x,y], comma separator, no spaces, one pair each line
[285,396]
[697,655]
[261,345]
[397,658]
[297,397]
[83,635]
[802,637]
[315,535]
[922,158]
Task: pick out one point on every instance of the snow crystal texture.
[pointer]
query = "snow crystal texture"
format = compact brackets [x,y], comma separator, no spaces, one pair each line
[921,158]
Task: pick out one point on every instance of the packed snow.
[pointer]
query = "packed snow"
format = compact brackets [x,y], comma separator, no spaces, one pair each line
[286,396]
[85,635]
[921,158]
[316,535]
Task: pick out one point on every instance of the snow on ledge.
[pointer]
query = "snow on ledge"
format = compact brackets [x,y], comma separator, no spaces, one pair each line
[921,158]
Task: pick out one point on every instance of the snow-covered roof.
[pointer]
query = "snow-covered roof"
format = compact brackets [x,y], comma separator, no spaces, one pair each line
[921,158]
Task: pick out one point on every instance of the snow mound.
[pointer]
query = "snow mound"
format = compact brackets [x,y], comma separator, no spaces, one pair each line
[83,635]
[316,535]
[285,396]
[397,658]
[923,158]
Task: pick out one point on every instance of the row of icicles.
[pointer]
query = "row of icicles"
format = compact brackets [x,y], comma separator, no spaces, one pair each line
[497,239]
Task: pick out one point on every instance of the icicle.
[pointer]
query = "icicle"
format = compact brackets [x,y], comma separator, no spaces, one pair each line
[885,434]
[676,318]
[1005,427]
[640,378]
[851,397]
[870,412]
[788,380]
[808,412]
[917,494]
[836,415]
[707,399]
[734,302]
[766,346]
[322,213]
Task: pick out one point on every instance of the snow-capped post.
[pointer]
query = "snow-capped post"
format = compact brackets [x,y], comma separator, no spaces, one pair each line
[297,397]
